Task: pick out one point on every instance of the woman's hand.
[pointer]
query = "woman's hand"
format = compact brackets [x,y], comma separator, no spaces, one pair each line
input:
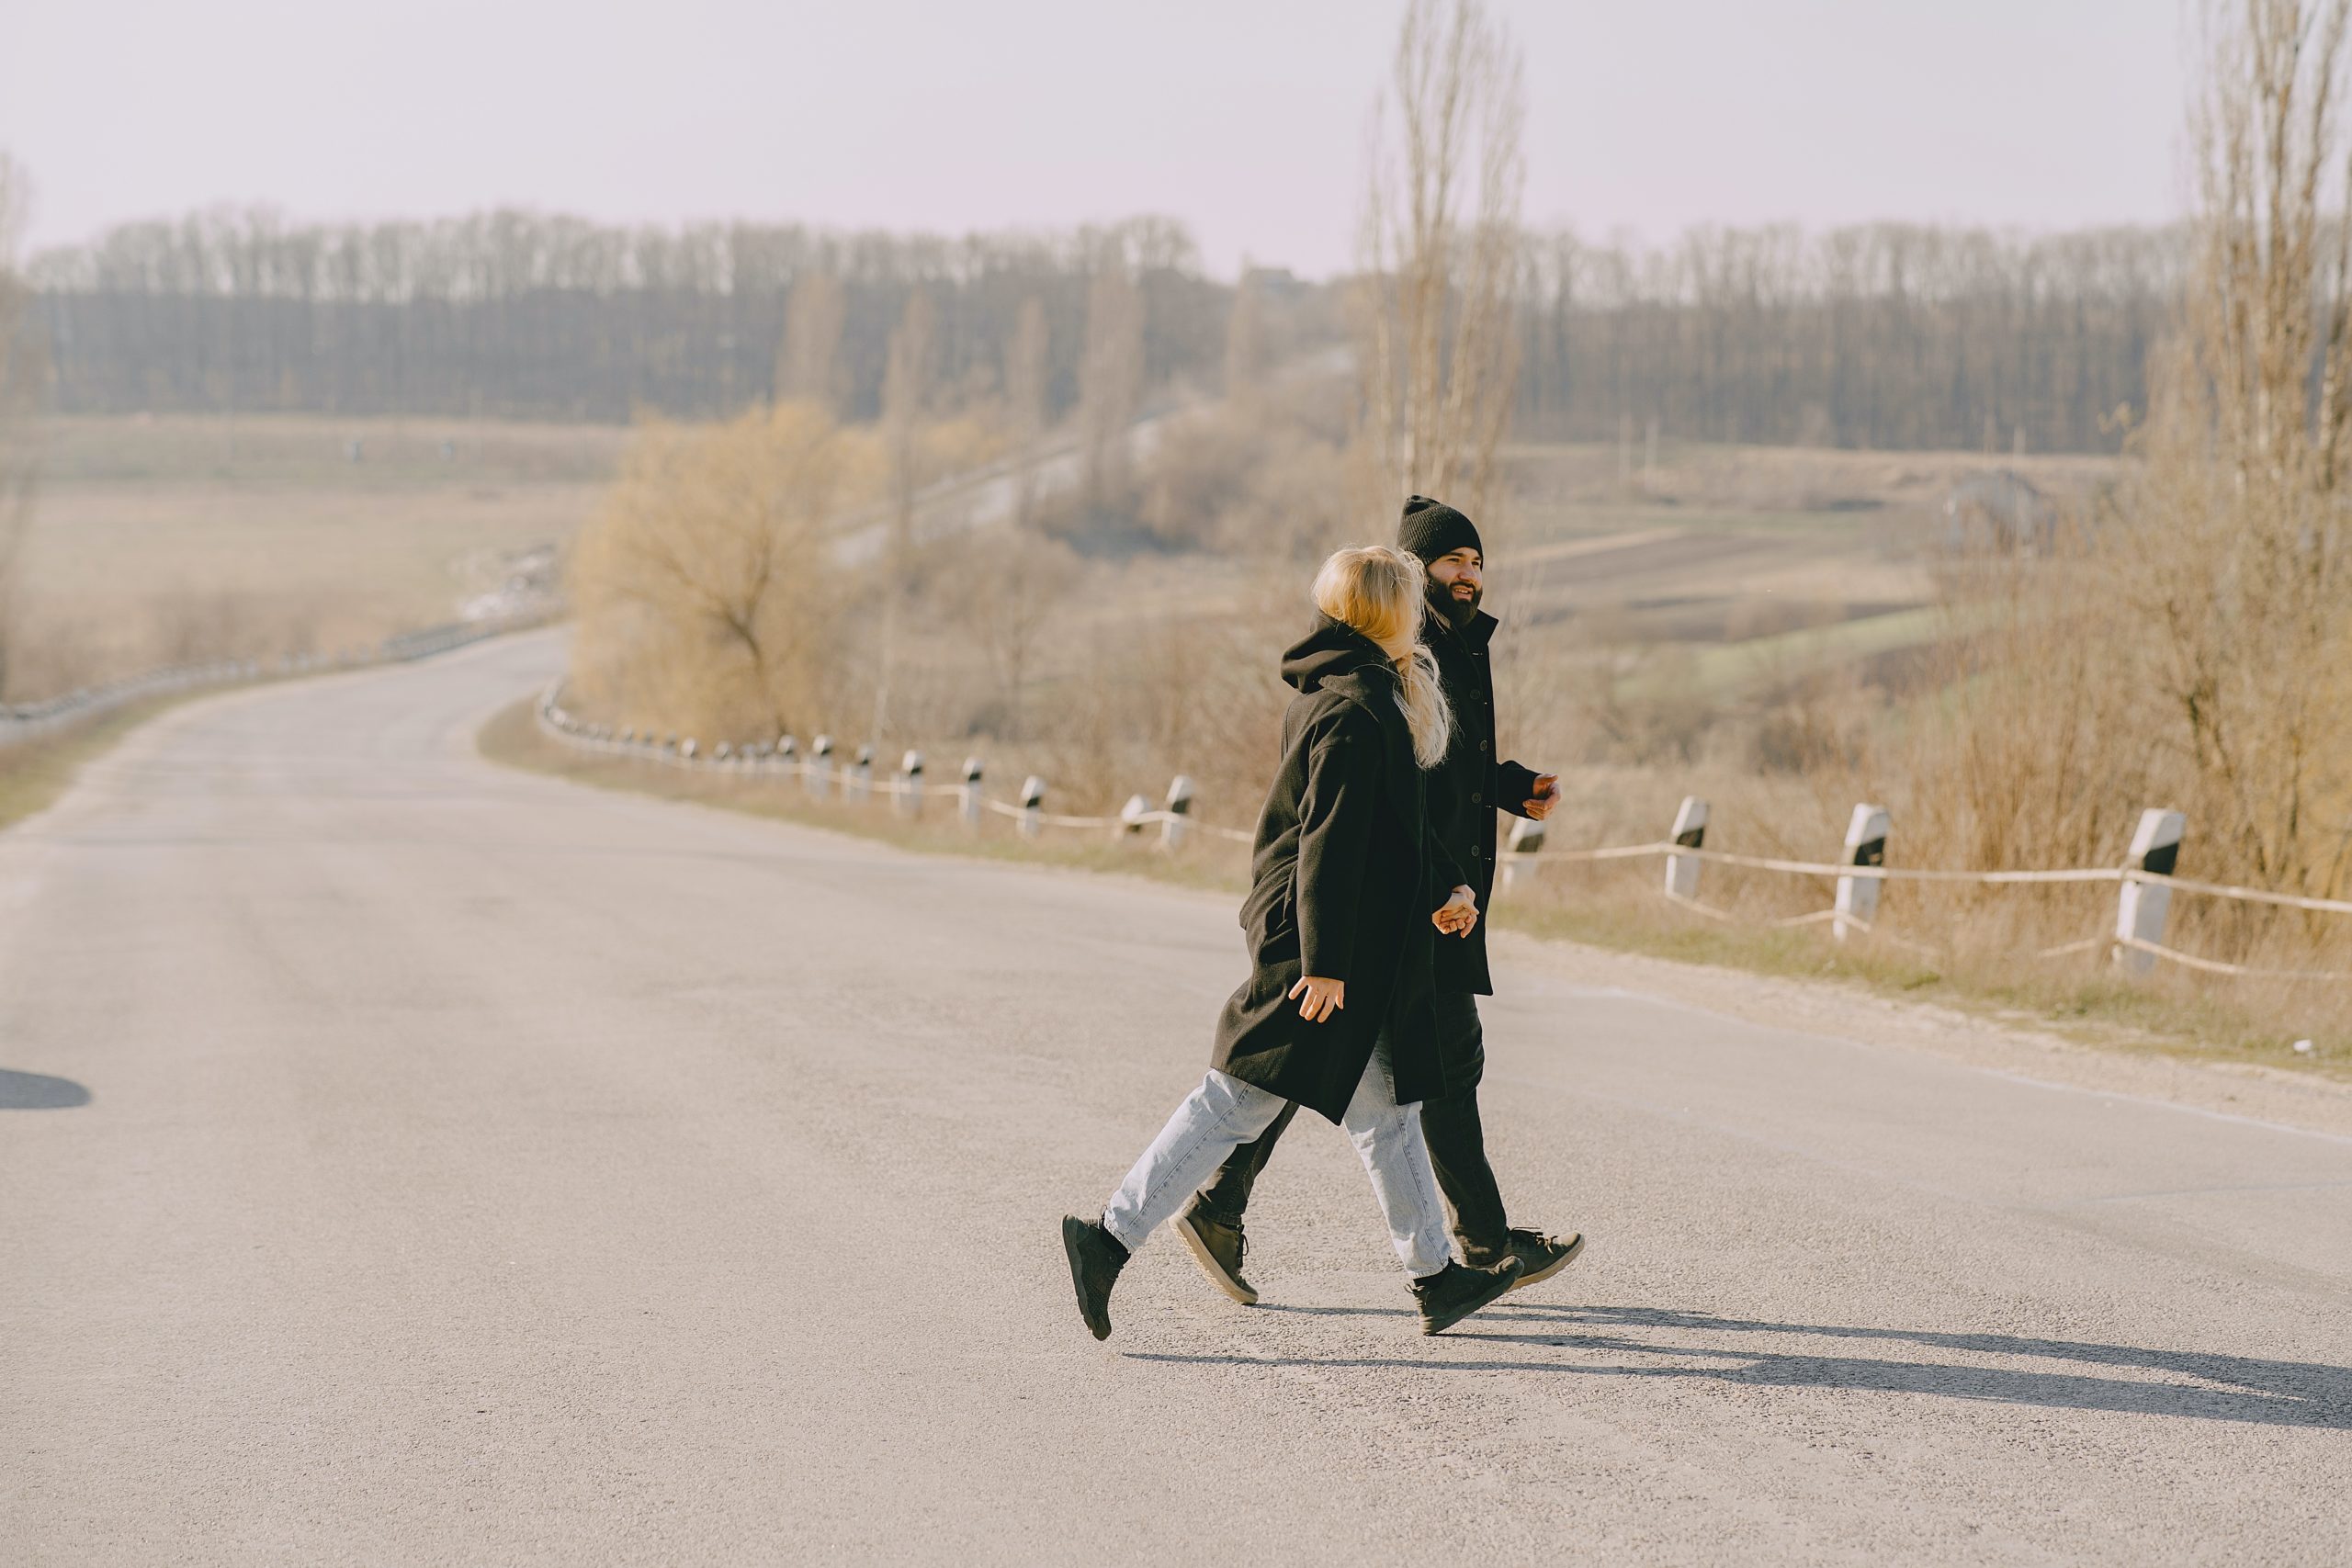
[1323,997]
[1460,913]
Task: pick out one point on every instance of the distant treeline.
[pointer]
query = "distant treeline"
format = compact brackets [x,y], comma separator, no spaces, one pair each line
[526,315]
[1887,336]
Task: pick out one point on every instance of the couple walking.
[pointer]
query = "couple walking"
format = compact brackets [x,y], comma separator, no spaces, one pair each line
[1373,857]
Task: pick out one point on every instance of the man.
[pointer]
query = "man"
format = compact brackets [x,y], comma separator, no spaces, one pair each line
[1463,792]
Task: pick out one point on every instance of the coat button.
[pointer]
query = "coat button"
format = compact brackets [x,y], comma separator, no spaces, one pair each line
[1478,800]
[1481,745]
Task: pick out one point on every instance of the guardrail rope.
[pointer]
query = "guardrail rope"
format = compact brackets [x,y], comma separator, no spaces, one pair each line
[818,771]
[2146,880]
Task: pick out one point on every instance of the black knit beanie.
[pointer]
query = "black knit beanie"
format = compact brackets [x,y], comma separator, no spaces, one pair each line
[1431,528]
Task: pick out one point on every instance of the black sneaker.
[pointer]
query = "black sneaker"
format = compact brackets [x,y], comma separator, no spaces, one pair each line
[1095,1259]
[1217,1248]
[1541,1256]
[1454,1292]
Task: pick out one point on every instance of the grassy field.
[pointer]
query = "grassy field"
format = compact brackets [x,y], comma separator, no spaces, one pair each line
[166,539]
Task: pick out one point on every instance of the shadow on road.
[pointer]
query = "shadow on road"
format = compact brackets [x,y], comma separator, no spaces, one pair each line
[2227,1388]
[38,1092]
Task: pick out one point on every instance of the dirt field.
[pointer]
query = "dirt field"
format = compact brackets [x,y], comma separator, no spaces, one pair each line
[1741,544]
[156,539]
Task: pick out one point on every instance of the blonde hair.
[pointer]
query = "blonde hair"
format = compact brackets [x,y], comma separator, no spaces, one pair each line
[1377,589]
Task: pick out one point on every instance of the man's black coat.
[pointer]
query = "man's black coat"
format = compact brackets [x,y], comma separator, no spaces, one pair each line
[1343,880]
[1465,790]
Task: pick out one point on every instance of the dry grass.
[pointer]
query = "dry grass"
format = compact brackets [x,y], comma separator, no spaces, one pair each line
[2081,994]
[33,774]
[156,539]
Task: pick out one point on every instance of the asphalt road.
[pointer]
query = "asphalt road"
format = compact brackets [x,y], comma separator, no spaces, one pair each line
[407,1160]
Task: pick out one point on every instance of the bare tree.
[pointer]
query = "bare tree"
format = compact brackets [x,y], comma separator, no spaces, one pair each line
[702,590]
[807,365]
[2188,646]
[2246,568]
[1245,339]
[1439,251]
[1110,375]
[1027,366]
[19,381]
[906,408]
[1005,587]
[2271,303]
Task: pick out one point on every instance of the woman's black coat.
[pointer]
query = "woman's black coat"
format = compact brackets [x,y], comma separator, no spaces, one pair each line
[1344,879]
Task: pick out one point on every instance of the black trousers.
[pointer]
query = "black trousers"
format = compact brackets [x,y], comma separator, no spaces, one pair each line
[1449,1123]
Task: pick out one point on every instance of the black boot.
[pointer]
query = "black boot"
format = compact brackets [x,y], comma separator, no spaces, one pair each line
[1095,1259]
[1217,1248]
[1540,1256]
[1454,1292]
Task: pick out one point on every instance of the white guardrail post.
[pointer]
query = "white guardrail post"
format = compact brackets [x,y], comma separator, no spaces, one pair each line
[1690,832]
[2141,910]
[1131,818]
[1033,806]
[972,801]
[861,773]
[821,766]
[1179,824]
[910,784]
[1858,896]
[787,752]
[1526,843]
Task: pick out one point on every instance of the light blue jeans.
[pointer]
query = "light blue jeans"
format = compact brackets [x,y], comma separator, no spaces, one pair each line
[1225,1114]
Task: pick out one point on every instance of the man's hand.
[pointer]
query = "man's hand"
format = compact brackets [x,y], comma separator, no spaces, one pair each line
[1460,913]
[1323,997]
[1547,795]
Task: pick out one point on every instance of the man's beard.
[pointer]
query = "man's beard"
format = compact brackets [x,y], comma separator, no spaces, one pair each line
[1454,612]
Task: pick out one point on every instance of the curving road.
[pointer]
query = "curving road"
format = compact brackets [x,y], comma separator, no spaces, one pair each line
[406,1160]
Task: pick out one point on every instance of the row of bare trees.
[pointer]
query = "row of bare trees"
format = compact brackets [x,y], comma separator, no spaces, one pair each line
[517,313]
[1885,337]
[1892,336]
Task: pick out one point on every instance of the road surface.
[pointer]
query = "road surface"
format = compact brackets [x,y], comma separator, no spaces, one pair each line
[409,1160]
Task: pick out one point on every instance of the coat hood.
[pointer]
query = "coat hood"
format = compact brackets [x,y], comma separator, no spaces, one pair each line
[1331,650]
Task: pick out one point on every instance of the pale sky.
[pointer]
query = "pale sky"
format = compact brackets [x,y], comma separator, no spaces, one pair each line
[1242,116]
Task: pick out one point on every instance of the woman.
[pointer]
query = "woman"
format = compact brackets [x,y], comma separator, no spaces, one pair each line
[1348,890]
